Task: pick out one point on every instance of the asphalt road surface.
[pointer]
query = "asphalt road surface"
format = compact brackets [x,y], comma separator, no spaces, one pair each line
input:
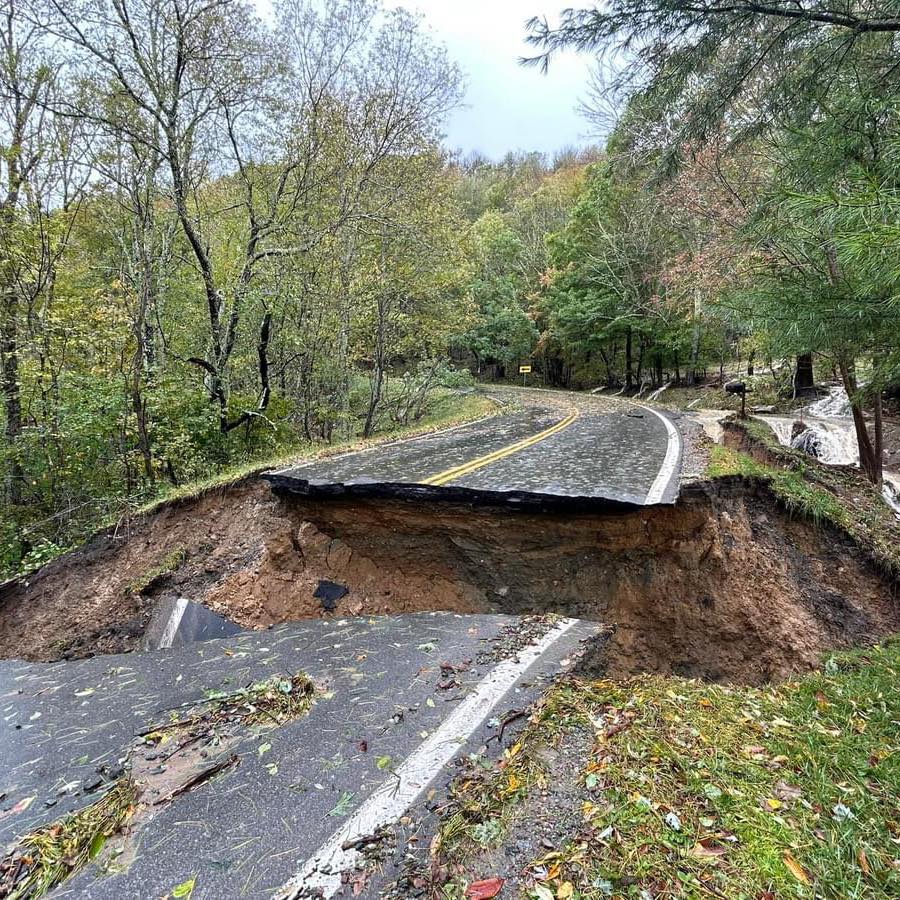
[554,446]
[388,720]
[399,700]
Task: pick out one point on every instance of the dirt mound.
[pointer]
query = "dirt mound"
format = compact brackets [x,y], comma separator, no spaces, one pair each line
[722,586]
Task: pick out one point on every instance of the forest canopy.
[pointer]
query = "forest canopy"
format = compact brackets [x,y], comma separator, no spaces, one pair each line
[223,237]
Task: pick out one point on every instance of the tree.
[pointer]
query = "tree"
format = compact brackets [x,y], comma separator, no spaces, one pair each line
[699,64]
[828,282]
[41,181]
[770,79]
[503,333]
[188,71]
[411,278]
[605,288]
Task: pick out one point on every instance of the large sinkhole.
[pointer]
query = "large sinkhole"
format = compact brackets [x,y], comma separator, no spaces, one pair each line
[725,585]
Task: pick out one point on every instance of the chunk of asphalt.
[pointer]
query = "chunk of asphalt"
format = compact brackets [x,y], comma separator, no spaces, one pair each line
[328,593]
[178,621]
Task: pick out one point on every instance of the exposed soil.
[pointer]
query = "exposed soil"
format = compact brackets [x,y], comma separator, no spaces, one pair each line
[723,586]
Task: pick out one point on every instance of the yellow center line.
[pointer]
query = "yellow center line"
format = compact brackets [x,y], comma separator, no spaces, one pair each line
[502,453]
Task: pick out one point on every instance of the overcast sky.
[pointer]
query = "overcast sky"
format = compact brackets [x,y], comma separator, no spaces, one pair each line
[508,106]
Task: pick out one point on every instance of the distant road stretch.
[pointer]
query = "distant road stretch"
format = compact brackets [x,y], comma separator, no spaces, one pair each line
[556,446]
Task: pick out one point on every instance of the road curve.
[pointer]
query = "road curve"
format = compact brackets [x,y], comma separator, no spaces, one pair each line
[554,446]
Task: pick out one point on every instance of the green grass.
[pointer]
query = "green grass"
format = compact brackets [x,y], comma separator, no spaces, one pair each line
[838,495]
[791,485]
[694,790]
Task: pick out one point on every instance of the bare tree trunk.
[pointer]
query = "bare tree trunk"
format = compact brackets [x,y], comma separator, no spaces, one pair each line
[869,462]
[378,372]
[374,399]
[139,407]
[804,382]
[695,342]
[12,396]
[878,449]
[629,364]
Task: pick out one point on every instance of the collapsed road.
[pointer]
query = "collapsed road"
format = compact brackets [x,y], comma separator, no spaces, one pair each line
[552,539]
[396,699]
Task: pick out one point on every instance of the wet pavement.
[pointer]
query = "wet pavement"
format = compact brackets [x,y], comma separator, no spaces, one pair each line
[382,691]
[558,446]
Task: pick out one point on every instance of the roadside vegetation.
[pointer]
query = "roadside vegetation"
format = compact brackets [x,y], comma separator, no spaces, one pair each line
[695,790]
[838,496]
[282,253]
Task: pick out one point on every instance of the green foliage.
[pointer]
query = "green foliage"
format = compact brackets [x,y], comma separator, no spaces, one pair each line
[503,332]
[697,789]
[204,299]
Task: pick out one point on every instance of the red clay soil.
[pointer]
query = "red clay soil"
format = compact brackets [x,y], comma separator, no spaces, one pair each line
[723,586]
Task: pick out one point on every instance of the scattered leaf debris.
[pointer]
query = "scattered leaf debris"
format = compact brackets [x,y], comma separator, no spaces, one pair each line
[168,759]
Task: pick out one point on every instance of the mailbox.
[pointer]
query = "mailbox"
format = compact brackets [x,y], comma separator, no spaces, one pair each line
[739,388]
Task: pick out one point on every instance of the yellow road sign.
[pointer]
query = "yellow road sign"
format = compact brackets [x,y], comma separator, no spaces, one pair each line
[524,370]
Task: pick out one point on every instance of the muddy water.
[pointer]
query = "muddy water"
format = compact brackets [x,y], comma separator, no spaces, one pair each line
[830,437]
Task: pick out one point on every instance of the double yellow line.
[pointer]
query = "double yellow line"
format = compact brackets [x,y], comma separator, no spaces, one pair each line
[482,461]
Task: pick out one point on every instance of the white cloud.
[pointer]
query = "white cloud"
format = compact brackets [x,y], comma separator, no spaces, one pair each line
[508,106]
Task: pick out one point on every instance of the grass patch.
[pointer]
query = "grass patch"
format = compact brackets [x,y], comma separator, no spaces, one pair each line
[45,858]
[168,566]
[483,800]
[791,485]
[840,495]
[694,790]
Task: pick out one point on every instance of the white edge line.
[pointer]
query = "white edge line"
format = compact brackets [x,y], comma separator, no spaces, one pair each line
[670,463]
[394,796]
[171,629]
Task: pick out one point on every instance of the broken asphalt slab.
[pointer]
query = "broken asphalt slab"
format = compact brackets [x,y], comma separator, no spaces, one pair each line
[593,451]
[381,693]
[177,621]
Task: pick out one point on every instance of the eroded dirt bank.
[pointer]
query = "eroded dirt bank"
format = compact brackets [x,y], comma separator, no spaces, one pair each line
[724,586]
